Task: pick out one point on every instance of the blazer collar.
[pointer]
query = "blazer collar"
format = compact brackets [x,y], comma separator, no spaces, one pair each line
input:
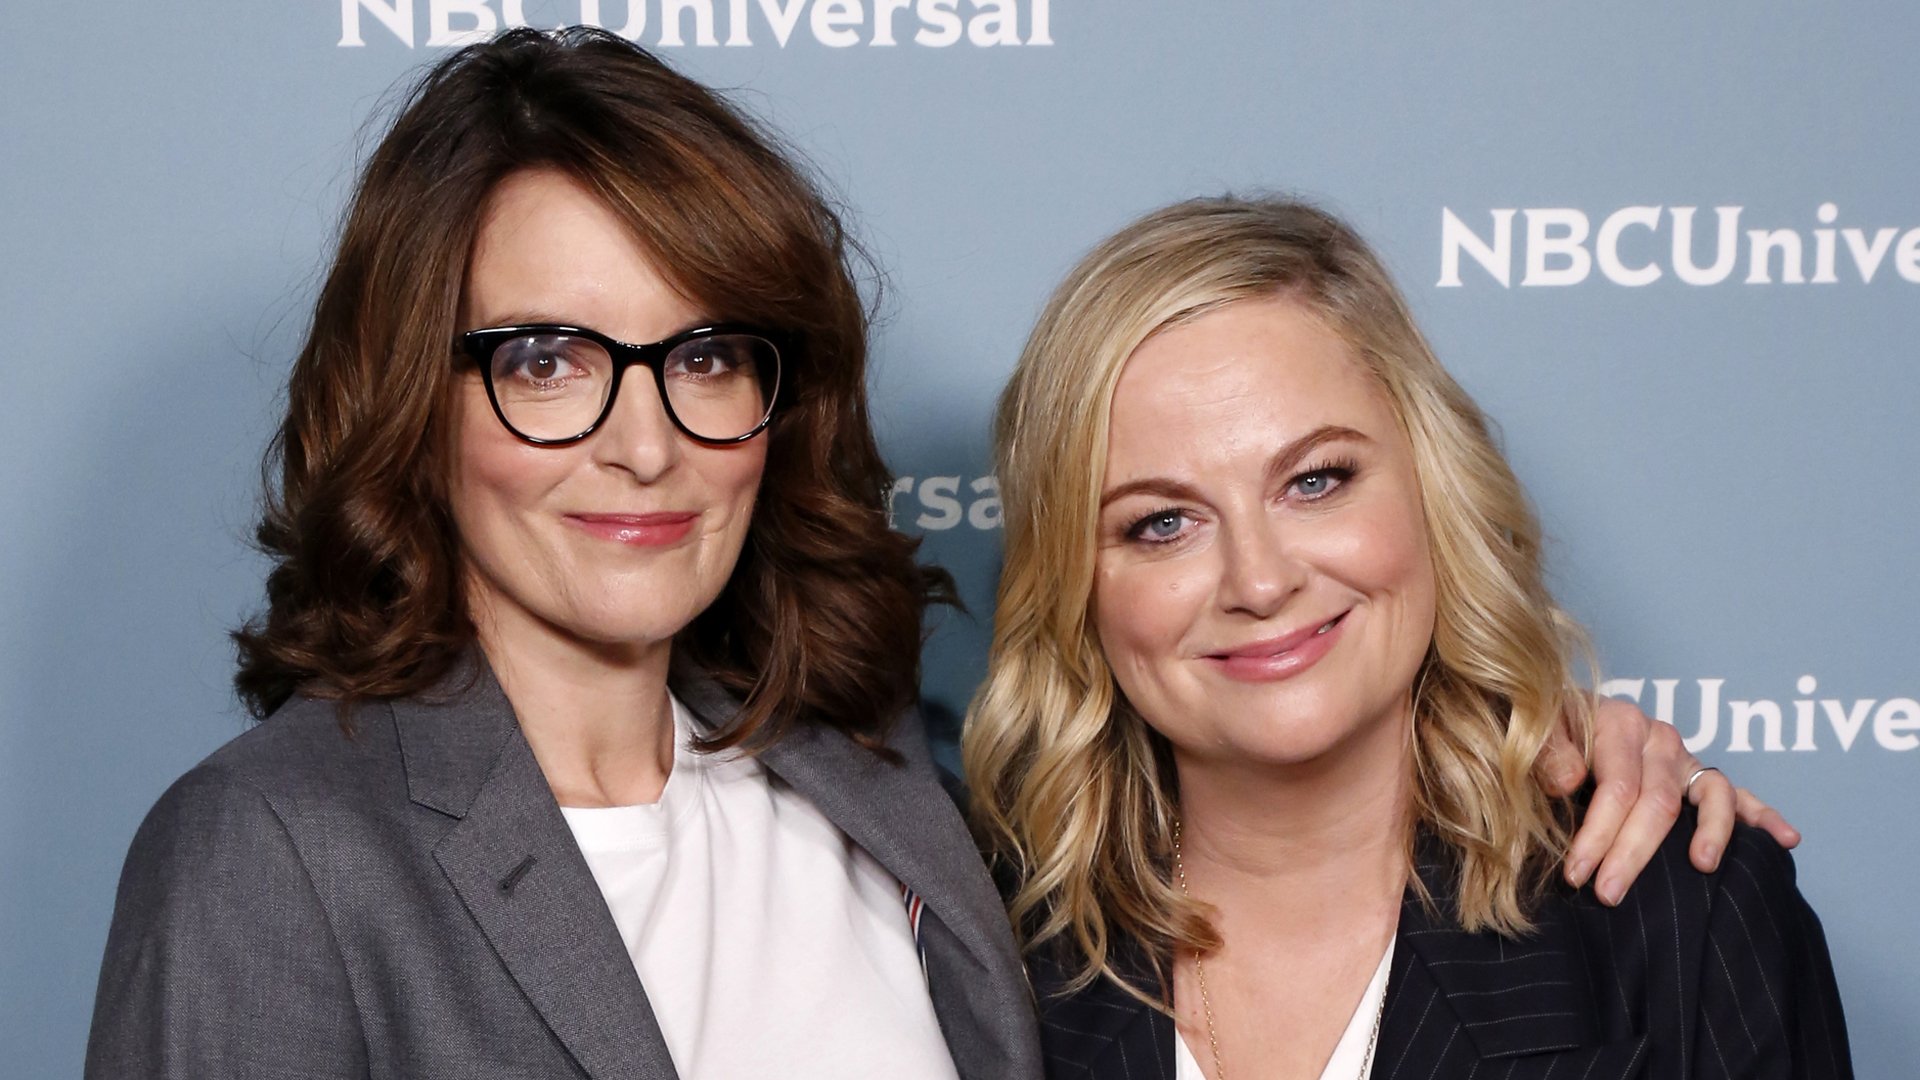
[1457,1001]
[451,735]
[1483,976]
[513,862]
[457,737]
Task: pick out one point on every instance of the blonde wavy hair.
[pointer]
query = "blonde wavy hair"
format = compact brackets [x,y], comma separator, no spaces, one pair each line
[1073,793]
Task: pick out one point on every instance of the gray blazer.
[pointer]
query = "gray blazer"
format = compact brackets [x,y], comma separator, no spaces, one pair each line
[409,903]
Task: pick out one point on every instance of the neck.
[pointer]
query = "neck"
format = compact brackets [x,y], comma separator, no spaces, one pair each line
[1316,844]
[597,716]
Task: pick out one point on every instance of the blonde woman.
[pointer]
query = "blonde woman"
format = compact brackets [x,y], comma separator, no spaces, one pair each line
[1273,674]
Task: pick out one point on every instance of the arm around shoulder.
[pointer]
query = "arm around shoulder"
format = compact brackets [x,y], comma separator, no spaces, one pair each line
[220,961]
[1769,1003]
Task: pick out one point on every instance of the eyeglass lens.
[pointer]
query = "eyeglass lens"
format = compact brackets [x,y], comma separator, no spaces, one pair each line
[554,386]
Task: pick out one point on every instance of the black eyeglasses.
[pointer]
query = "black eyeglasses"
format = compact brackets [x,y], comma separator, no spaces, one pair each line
[551,385]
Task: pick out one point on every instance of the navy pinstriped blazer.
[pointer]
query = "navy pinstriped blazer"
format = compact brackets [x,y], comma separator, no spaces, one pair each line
[1721,976]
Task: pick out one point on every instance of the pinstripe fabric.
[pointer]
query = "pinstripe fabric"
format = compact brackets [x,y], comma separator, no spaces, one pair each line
[1102,1032]
[1694,977]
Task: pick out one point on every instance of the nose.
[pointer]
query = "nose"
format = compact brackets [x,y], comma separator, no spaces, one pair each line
[1259,570]
[637,436]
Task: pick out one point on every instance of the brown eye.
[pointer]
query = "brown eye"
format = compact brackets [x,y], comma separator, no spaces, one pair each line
[714,357]
[537,360]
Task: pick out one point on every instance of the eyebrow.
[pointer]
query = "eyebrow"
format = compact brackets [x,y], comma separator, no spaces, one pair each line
[529,317]
[1284,460]
[534,317]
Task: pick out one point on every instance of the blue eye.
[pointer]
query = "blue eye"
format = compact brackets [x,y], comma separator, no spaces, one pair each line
[1319,483]
[1159,526]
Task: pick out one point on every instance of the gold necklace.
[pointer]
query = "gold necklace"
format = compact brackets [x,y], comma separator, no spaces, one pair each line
[1199,971]
[1206,1003]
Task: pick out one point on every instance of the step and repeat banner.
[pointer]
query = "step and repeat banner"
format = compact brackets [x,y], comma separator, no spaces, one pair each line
[1673,249]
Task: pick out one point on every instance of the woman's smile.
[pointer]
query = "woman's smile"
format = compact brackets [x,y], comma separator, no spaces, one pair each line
[1264,590]
[638,530]
[1280,657]
[549,245]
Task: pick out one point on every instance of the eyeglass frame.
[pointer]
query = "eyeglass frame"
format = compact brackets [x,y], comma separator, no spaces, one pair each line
[479,346]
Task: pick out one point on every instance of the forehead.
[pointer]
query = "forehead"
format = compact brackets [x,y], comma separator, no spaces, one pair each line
[550,250]
[1247,377]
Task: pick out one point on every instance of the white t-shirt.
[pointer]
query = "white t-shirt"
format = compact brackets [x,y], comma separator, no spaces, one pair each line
[769,943]
[1349,1054]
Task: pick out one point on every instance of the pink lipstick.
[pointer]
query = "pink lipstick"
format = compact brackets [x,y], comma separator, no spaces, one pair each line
[1280,657]
[637,530]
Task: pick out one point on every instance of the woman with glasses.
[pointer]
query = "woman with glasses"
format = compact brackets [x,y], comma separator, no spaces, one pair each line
[588,665]
[589,657]
[1273,670]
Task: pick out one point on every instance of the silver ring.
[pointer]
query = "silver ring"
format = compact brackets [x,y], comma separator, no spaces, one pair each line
[1697,774]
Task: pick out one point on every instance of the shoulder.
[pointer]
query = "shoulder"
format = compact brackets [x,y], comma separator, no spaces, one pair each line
[304,757]
[1757,867]
[1742,929]
[1734,962]
[221,942]
[1758,921]
[1753,869]
[298,765]
[211,827]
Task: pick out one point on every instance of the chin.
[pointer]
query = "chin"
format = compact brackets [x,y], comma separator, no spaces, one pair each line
[643,621]
[1300,733]
[1285,749]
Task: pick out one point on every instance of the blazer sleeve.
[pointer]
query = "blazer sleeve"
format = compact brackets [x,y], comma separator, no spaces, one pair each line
[1769,1003]
[220,962]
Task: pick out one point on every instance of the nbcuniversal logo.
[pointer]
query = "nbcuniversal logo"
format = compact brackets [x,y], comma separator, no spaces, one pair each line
[1639,245]
[1805,724]
[939,503]
[836,24]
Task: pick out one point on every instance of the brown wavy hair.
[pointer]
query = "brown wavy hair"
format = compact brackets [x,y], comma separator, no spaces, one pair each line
[820,622]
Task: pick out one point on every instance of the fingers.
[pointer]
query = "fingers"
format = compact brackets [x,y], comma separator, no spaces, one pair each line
[1646,826]
[1562,767]
[1620,734]
[1665,766]
[1761,816]
[1713,794]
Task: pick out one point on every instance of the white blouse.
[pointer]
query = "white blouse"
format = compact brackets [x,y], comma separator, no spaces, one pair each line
[769,943]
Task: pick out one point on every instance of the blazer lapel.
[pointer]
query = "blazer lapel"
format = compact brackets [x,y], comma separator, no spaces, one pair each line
[1104,1033]
[1465,1004]
[514,864]
[902,817]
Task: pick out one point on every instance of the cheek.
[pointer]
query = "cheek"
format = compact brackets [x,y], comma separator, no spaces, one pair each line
[1394,552]
[1387,556]
[495,474]
[731,476]
[1143,614]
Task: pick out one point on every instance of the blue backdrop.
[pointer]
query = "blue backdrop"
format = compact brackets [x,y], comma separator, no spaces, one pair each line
[1674,249]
